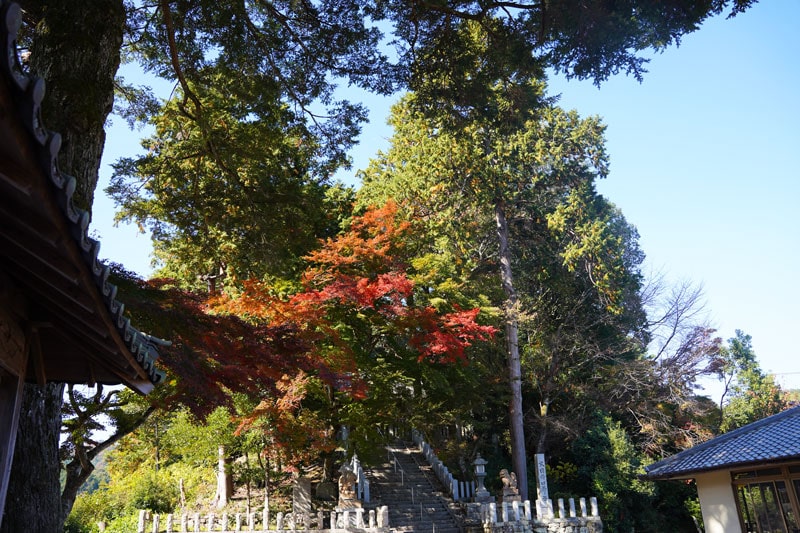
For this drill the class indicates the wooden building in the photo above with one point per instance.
(60, 320)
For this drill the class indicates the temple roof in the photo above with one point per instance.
(49, 268)
(772, 439)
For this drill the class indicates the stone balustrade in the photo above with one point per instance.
(520, 517)
(458, 490)
(347, 520)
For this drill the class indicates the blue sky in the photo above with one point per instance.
(705, 162)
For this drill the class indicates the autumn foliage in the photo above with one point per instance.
(355, 302)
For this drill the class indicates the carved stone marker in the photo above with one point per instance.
(301, 497)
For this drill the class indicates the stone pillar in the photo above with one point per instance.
(562, 513)
(541, 478)
(141, 523)
(572, 512)
(593, 503)
(583, 507)
(169, 523)
(155, 523)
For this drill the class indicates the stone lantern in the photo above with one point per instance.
(481, 494)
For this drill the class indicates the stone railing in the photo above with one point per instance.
(352, 519)
(458, 490)
(518, 516)
(362, 483)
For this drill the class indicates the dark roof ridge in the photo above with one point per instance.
(28, 93)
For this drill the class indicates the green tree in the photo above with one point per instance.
(238, 192)
(534, 166)
(751, 394)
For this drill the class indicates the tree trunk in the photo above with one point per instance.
(76, 49)
(34, 495)
(518, 460)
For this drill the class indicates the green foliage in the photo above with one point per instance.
(230, 192)
(609, 465)
(154, 491)
(89, 509)
(753, 394)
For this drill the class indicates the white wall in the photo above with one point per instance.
(717, 502)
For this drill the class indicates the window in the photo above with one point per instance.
(767, 500)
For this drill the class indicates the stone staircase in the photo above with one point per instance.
(417, 501)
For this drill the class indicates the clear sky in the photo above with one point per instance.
(705, 162)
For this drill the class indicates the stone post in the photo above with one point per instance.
(141, 524)
(583, 507)
(169, 523)
(562, 513)
(196, 522)
(593, 502)
(280, 521)
(184, 520)
(572, 512)
(155, 523)
(238, 522)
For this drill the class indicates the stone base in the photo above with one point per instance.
(348, 505)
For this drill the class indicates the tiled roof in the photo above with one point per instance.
(775, 438)
(45, 248)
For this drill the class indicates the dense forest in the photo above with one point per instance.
(475, 285)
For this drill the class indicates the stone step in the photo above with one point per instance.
(392, 483)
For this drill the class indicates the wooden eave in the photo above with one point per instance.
(77, 331)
